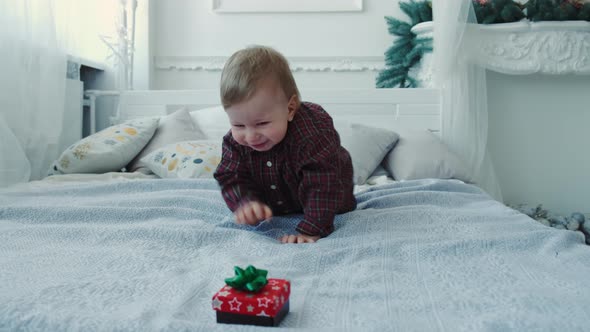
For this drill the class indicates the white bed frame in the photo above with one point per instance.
(385, 108)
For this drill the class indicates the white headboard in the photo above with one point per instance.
(400, 108)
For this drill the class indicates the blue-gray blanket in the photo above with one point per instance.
(429, 255)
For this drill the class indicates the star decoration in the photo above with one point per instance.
(272, 282)
(250, 308)
(262, 313)
(286, 287)
(223, 293)
(282, 299)
(217, 303)
(235, 304)
(263, 302)
(276, 288)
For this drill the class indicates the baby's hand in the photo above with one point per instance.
(299, 238)
(252, 213)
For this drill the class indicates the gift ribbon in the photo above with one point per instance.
(251, 279)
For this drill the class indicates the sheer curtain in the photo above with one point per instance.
(464, 91)
(32, 89)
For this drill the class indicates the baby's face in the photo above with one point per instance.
(261, 121)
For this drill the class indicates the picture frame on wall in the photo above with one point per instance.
(277, 6)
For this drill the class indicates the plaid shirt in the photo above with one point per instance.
(308, 171)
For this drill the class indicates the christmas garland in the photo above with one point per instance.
(408, 49)
(497, 11)
(505, 11)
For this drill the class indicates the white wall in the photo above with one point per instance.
(539, 139)
(332, 49)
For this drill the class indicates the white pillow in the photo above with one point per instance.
(367, 146)
(188, 159)
(109, 150)
(421, 155)
(213, 121)
(175, 127)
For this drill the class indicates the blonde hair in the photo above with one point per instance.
(244, 70)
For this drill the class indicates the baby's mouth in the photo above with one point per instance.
(258, 146)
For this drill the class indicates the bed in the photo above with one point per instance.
(128, 251)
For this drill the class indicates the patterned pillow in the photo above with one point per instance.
(188, 159)
(109, 150)
(175, 127)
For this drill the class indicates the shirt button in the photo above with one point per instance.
(273, 187)
(268, 163)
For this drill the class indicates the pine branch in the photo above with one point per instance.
(397, 27)
(407, 49)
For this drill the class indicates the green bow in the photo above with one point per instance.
(251, 279)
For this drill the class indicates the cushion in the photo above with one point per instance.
(367, 146)
(420, 155)
(109, 150)
(175, 127)
(213, 121)
(188, 159)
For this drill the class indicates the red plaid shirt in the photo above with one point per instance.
(308, 171)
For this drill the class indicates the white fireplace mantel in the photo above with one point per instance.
(526, 47)
(538, 47)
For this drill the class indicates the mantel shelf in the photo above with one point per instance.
(525, 47)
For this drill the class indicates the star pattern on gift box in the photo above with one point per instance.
(267, 302)
(263, 302)
(235, 304)
(262, 313)
(217, 303)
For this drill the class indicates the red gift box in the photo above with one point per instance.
(266, 307)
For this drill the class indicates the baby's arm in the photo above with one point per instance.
(237, 188)
(321, 188)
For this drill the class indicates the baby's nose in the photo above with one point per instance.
(251, 135)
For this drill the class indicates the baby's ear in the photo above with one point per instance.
(292, 106)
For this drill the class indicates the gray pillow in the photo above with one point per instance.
(422, 155)
(367, 146)
(174, 127)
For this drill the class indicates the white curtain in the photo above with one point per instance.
(32, 89)
(464, 91)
